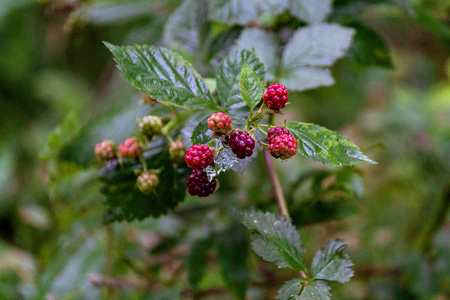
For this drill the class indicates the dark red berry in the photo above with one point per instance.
(105, 151)
(199, 157)
(199, 185)
(276, 96)
(130, 149)
(241, 143)
(283, 146)
(275, 132)
(219, 122)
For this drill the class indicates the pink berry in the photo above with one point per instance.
(219, 122)
(276, 97)
(130, 149)
(199, 156)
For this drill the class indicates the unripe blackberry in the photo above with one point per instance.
(219, 122)
(276, 96)
(130, 149)
(283, 146)
(147, 182)
(241, 143)
(150, 126)
(177, 152)
(275, 132)
(105, 151)
(199, 156)
(199, 185)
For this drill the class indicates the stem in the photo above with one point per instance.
(303, 283)
(109, 260)
(281, 202)
(260, 130)
(144, 163)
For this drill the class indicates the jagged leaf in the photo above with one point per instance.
(278, 240)
(125, 202)
(289, 290)
(228, 75)
(265, 45)
(315, 290)
(310, 51)
(201, 134)
(234, 269)
(232, 12)
(197, 260)
(332, 263)
(226, 160)
(187, 26)
(311, 12)
(250, 86)
(326, 146)
(164, 75)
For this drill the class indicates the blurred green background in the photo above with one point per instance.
(60, 94)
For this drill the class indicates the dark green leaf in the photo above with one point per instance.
(368, 48)
(199, 135)
(265, 44)
(250, 86)
(290, 290)
(315, 290)
(187, 27)
(228, 75)
(125, 202)
(331, 263)
(278, 240)
(164, 75)
(197, 261)
(311, 12)
(233, 12)
(310, 50)
(233, 264)
(326, 146)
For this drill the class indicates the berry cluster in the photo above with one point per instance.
(199, 157)
(276, 97)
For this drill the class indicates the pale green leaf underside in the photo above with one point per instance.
(265, 45)
(310, 52)
(164, 75)
(228, 75)
(315, 290)
(278, 240)
(226, 160)
(326, 146)
(250, 86)
(332, 263)
(232, 12)
(289, 290)
(312, 12)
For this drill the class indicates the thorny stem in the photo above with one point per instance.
(281, 202)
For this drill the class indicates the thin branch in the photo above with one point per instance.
(281, 202)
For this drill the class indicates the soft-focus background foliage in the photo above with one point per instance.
(57, 76)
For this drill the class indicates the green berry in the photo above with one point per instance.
(177, 152)
(147, 182)
(150, 126)
(105, 151)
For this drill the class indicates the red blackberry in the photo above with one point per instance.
(147, 182)
(105, 151)
(219, 122)
(241, 143)
(275, 132)
(199, 157)
(130, 149)
(199, 185)
(276, 96)
(283, 146)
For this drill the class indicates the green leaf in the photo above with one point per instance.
(233, 264)
(326, 146)
(315, 290)
(226, 160)
(250, 86)
(290, 290)
(197, 260)
(368, 48)
(199, 135)
(331, 263)
(311, 12)
(233, 12)
(278, 240)
(265, 45)
(187, 27)
(164, 75)
(310, 51)
(228, 75)
(125, 202)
